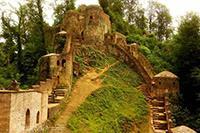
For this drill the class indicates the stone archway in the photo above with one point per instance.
(38, 117)
(27, 119)
(63, 63)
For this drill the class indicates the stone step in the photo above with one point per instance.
(157, 103)
(159, 116)
(53, 101)
(157, 109)
(57, 99)
(160, 121)
(160, 127)
(160, 124)
(60, 92)
(159, 131)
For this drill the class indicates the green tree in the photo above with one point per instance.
(130, 9)
(187, 62)
(35, 44)
(114, 8)
(24, 39)
(159, 20)
(135, 14)
(61, 8)
(14, 34)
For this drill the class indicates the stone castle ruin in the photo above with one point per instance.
(25, 110)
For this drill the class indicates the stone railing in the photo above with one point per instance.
(118, 41)
(168, 114)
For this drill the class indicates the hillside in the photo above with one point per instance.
(114, 106)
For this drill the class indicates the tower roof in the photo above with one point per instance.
(166, 74)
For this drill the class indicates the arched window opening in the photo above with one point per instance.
(63, 63)
(27, 119)
(82, 35)
(48, 115)
(174, 83)
(58, 63)
(38, 117)
(91, 17)
(159, 83)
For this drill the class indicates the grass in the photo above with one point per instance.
(116, 107)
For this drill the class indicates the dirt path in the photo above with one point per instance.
(82, 89)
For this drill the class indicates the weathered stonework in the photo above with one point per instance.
(5, 108)
(117, 45)
(14, 117)
(164, 83)
(87, 25)
(49, 66)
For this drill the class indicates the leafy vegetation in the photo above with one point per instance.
(186, 60)
(115, 107)
(25, 41)
(61, 8)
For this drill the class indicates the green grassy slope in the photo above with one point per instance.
(116, 107)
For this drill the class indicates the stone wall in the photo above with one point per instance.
(20, 104)
(164, 86)
(87, 25)
(16, 104)
(5, 102)
(57, 66)
(49, 66)
(116, 44)
(22, 111)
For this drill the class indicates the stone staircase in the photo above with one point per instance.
(57, 95)
(159, 119)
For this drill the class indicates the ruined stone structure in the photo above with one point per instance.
(22, 111)
(87, 25)
(116, 44)
(165, 83)
(49, 66)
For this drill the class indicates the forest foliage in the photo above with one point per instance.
(151, 27)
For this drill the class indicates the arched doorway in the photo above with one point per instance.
(27, 119)
(63, 63)
(38, 117)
